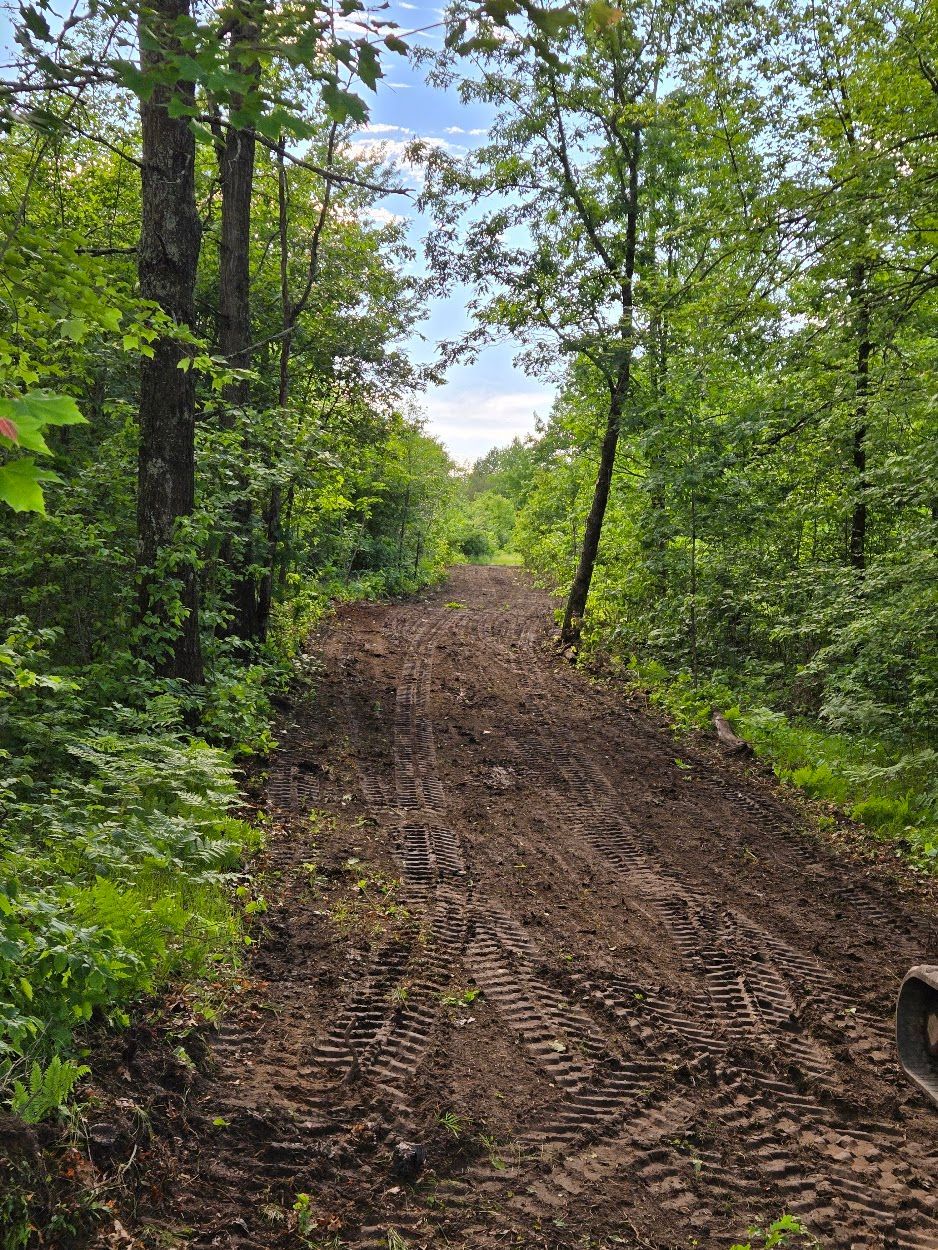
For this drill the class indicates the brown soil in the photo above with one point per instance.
(527, 980)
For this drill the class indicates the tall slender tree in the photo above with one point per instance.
(564, 165)
(168, 256)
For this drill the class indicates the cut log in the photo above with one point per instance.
(725, 733)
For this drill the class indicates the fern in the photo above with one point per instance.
(48, 1089)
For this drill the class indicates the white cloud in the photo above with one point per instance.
(458, 130)
(382, 216)
(471, 421)
(394, 151)
(400, 86)
(382, 128)
(348, 25)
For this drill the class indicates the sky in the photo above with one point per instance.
(488, 403)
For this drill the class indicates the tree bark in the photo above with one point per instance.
(619, 388)
(234, 314)
(864, 352)
(579, 590)
(168, 255)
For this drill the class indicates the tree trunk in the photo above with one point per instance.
(739, 746)
(579, 591)
(619, 388)
(290, 312)
(864, 352)
(167, 259)
(272, 517)
(653, 533)
(234, 314)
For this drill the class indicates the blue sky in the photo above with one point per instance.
(485, 404)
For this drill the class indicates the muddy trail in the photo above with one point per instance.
(528, 979)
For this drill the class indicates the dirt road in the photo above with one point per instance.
(530, 980)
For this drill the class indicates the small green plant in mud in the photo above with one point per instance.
(492, 1150)
(341, 916)
(303, 1220)
(255, 905)
(374, 900)
(395, 1240)
(785, 1231)
(318, 822)
(452, 1123)
(315, 878)
(454, 605)
(400, 994)
(460, 997)
(305, 1216)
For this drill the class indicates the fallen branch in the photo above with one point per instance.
(730, 740)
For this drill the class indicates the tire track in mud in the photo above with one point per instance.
(598, 1084)
(470, 930)
(857, 1182)
(384, 1040)
(497, 952)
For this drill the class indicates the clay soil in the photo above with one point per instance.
(533, 973)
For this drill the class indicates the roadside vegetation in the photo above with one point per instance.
(826, 709)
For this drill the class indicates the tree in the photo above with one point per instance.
(564, 171)
(770, 513)
(168, 257)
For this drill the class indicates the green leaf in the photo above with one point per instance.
(43, 408)
(369, 66)
(500, 10)
(343, 106)
(109, 317)
(74, 328)
(458, 33)
(36, 24)
(556, 22)
(134, 79)
(20, 485)
(30, 436)
(600, 14)
(179, 107)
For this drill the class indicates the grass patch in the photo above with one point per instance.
(506, 559)
(894, 793)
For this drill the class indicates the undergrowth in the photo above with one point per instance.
(117, 850)
(891, 790)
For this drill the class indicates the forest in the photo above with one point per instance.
(713, 227)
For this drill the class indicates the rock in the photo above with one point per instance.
(408, 1159)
